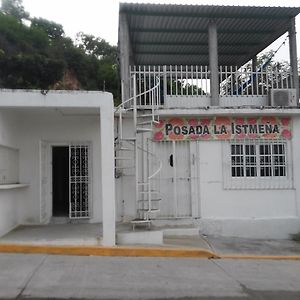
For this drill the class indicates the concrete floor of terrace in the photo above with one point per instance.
(83, 234)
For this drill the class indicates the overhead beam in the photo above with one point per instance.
(192, 44)
(185, 53)
(225, 15)
(179, 30)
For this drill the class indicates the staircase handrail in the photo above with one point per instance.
(153, 155)
(139, 95)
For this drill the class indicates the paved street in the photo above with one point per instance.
(35, 276)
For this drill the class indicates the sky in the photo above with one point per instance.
(100, 17)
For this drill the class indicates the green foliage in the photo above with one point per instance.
(53, 30)
(31, 71)
(39, 56)
(95, 46)
(14, 8)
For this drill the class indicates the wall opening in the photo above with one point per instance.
(60, 181)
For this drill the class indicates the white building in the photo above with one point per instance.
(198, 139)
(56, 158)
(203, 140)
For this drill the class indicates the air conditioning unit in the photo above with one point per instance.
(283, 97)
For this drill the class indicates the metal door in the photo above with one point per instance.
(80, 182)
(174, 180)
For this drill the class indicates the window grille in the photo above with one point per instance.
(257, 164)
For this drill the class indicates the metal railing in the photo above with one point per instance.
(194, 81)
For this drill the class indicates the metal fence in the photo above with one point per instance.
(194, 81)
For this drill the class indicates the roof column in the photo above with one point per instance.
(124, 55)
(213, 63)
(253, 70)
(293, 55)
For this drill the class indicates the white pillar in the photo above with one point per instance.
(293, 55)
(107, 173)
(213, 63)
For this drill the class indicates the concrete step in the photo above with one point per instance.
(193, 231)
(140, 237)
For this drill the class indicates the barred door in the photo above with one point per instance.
(79, 182)
(174, 180)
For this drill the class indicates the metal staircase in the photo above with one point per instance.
(130, 152)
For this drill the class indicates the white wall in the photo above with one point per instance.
(9, 199)
(242, 203)
(262, 213)
(51, 126)
(59, 116)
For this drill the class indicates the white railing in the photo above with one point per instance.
(153, 100)
(247, 82)
(195, 81)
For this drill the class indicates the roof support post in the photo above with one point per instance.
(293, 55)
(253, 70)
(124, 55)
(213, 63)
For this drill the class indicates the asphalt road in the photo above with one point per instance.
(35, 276)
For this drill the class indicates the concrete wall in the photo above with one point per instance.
(58, 117)
(9, 198)
(53, 127)
(261, 213)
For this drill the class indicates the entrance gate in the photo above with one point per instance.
(178, 180)
(78, 184)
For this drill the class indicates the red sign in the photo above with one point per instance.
(222, 128)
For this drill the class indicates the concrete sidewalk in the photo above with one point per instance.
(85, 239)
(35, 276)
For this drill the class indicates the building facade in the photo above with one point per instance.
(205, 135)
(56, 158)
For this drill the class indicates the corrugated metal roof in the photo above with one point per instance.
(177, 34)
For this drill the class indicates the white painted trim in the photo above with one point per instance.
(35, 98)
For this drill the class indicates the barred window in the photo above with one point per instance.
(257, 164)
(267, 159)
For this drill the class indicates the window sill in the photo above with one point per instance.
(13, 186)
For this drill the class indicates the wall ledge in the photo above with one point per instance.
(13, 186)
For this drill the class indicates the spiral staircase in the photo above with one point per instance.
(130, 153)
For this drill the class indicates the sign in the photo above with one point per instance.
(222, 128)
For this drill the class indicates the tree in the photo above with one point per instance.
(40, 56)
(14, 8)
(53, 30)
(95, 46)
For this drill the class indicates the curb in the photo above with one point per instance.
(127, 251)
(108, 251)
(261, 257)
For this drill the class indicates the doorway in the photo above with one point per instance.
(60, 181)
(178, 179)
